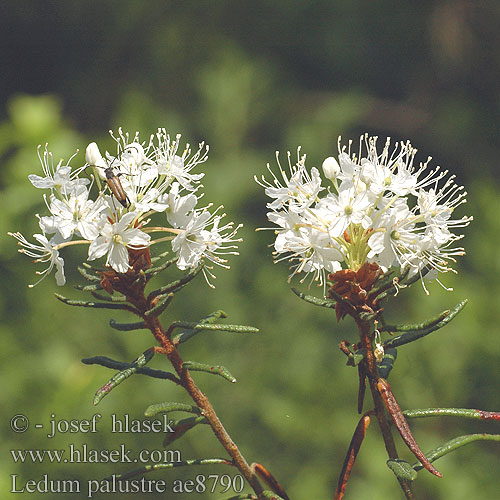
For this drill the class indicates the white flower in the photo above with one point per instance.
(141, 178)
(114, 240)
(202, 237)
(314, 251)
(368, 216)
(147, 171)
(307, 243)
(299, 189)
(59, 178)
(189, 244)
(375, 177)
(173, 166)
(45, 252)
(219, 240)
(148, 201)
(349, 168)
(179, 207)
(393, 239)
(153, 175)
(133, 157)
(347, 208)
(76, 213)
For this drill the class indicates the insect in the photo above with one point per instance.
(116, 187)
(94, 158)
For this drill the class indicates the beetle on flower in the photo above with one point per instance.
(141, 180)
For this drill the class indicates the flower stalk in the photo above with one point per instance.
(207, 410)
(149, 306)
(112, 213)
(382, 224)
(369, 367)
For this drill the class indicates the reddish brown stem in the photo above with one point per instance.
(133, 289)
(362, 388)
(203, 403)
(370, 368)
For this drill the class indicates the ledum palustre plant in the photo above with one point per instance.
(123, 206)
(380, 224)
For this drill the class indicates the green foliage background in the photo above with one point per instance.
(251, 78)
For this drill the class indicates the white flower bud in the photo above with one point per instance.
(94, 158)
(331, 168)
(360, 187)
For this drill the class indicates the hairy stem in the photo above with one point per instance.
(370, 366)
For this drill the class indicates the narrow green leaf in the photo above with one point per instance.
(452, 412)
(156, 258)
(175, 286)
(163, 303)
(123, 375)
(88, 276)
(383, 283)
(187, 334)
(454, 444)
(416, 277)
(219, 327)
(88, 288)
(152, 467)
(339, 298)
(86, 265)
(180, 428)
(96, 305)
(355, 357)
(271, 495)
(400, 281)
(315, 300)
(194, 328)
(367, 316)
(385, 366)
(412, 335)
(214, 370)
(120, 365)
(153, 410)
(127, 327)
(417, 326)
(402, 469)
(109, 298)
(153, 271)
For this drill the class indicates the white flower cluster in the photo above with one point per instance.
(141, 180)
(378, 208)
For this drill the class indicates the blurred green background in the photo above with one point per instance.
(251, 78)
